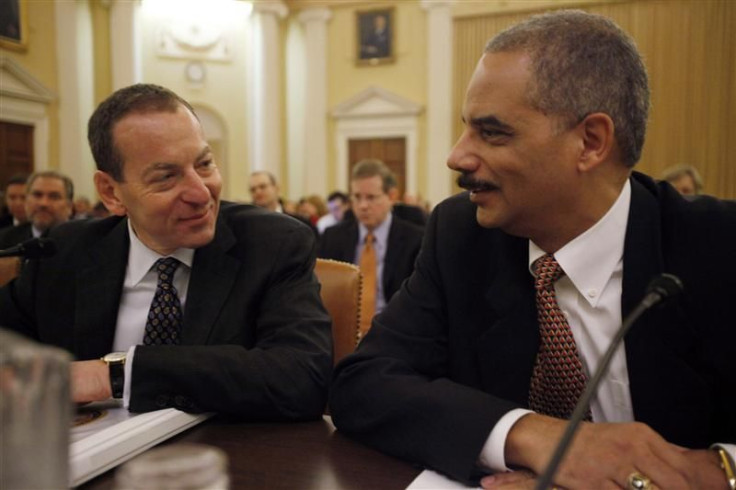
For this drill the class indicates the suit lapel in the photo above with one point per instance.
(507, 350)
(99, 284)
(210, 284)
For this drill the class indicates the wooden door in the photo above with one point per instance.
(391, 151)
(16, 151)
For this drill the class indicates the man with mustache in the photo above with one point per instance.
(48, 203)
(522, 282)
(178, 300)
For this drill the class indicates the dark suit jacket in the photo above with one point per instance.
(256, 340)
(6, 220)
(404, 240)
(15, 234)
(455, 348)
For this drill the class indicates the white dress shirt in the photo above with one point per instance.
(139, 287)
(589, 294)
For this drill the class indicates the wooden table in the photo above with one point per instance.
(307, 455)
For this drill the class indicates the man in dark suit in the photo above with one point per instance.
(264, 189)
(48, 203)
(449, 374)
(397, 242)
(15, 202)
(235, 323)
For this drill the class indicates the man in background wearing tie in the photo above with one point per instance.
(383, 245)
(522, 282)
(177, 300)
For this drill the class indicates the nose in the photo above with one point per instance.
(195, 189)
(462, 157)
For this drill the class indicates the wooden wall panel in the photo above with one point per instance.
(689, 47)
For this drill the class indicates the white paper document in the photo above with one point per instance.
(431, 480)
(105, 434)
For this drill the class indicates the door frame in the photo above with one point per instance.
(376, 113)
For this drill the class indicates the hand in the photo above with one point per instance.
(90, 381)
(604, 455)
(512, 479)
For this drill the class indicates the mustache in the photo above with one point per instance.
(467, 182)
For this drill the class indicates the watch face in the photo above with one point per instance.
(115, 357)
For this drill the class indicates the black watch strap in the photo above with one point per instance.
(117, 378)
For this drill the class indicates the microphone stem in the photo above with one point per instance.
(582, 406)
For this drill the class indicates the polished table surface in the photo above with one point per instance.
(304, 455)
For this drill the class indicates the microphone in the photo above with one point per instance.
(660, 289)
(35, 248)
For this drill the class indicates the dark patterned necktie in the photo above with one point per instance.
(558, 379)
(163, 324)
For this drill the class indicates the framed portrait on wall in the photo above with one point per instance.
(376, 36)
(13, 30)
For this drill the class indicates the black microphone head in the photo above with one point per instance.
(666, 286)
(37, 248)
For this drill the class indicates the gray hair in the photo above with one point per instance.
(581, 64)
(53, 174)
(673, 173)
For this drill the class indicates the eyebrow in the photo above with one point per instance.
(490, 121)
(159, 166)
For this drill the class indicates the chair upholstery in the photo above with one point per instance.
(341, 291)
(9, 269)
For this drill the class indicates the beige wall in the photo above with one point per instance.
(39, 59)
(406, 76)
(224, 92)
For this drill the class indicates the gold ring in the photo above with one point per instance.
(637, 481)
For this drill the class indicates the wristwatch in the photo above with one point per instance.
(116, 362)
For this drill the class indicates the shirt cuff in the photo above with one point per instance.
(128, 376)
(492, 454)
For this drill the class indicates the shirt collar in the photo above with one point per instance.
(380, 233)
(590, 259)
(141, 258)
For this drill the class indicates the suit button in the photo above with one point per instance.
(180, 401)
(162, 401)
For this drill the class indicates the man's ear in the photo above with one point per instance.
(598, 135)
(108, 189)
(393, 194)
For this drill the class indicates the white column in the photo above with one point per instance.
(266, 115)
(439, 97)
(125, 49)
(315, 102)
(76, 93)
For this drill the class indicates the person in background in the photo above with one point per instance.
(48, 203)
(685, 178)
(178, 299)
(312, 208)
(337, 204)
(522, 282)
(15, 199)
(393, 242)
(264, 191)
(82, 208)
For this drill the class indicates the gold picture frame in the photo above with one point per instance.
(375, 36)
(13, 24)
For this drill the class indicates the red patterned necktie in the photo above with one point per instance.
(558, 379)
(163, 324)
